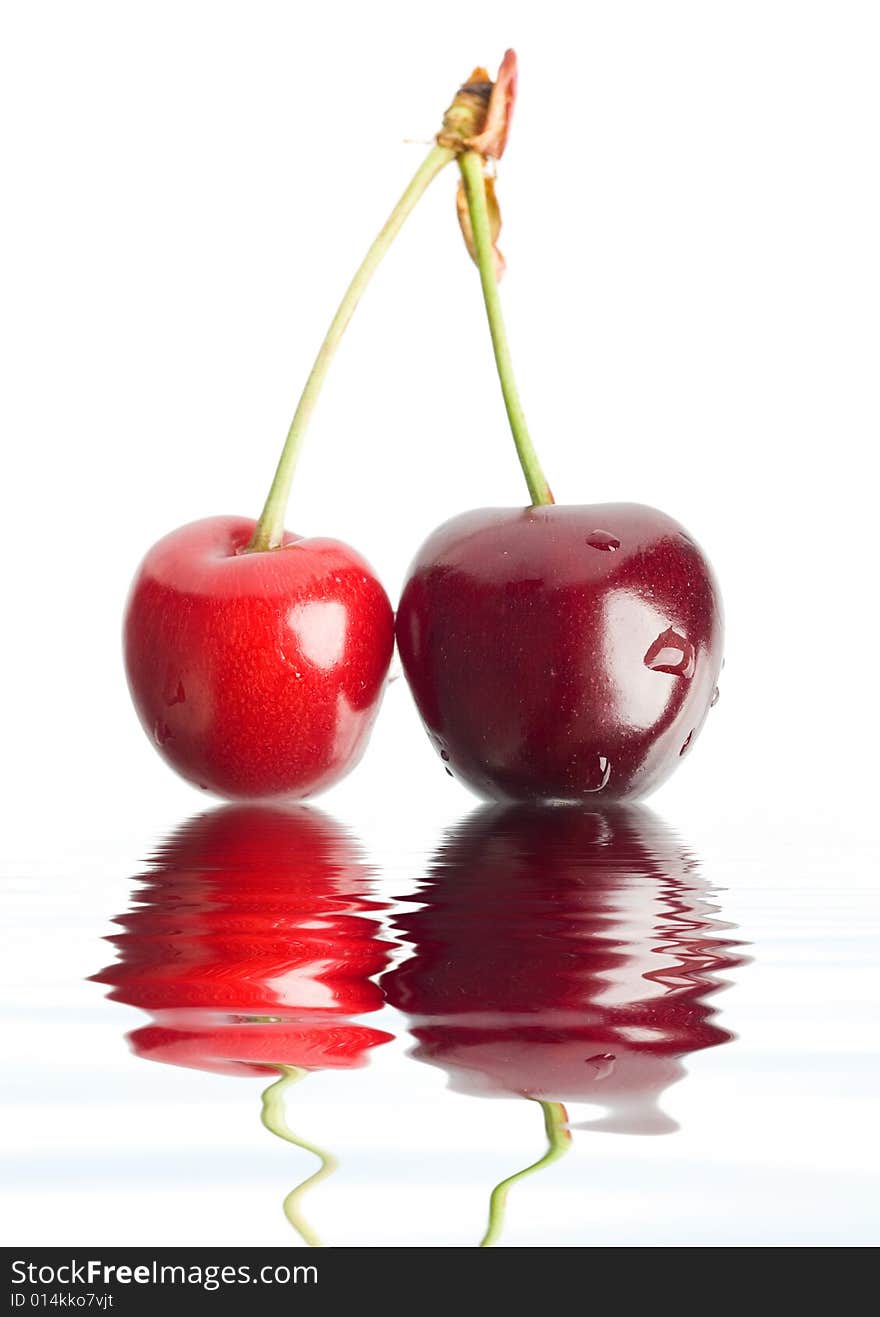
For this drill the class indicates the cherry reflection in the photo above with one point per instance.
(564, 956)
(250, 944)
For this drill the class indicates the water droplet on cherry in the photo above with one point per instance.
(687, 742)
(716, 696)
(161, 733)
(444, 755)
(602, 1063)
(671, 653)
(449, 771)
(603, 765)
(603, 539)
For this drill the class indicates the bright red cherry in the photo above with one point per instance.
(256, 674)
(560, 652)
(251, 947)
(256, 658)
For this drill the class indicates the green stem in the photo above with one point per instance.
(558, 1143)
(471, 165)
(273, 1118)
(270, 528)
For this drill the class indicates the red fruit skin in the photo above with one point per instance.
(250, 946)
(256, 674)
(565, 956)
(549, 668)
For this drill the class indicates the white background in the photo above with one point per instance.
(692, 212)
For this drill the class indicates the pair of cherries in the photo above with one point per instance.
(557, 955)
(555, 653)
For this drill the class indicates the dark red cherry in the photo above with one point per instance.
(564, 956)
(561, 653)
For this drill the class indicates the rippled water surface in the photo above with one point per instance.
(536, 1027)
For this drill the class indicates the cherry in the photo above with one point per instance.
(256, 674)
(556, 653)
(559, 652)
(256, 658)
(561, 955)
(251, 946)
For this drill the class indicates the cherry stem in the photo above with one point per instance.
(471, 165)
(558, 1144)
(269, 530)
(274, 1119)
